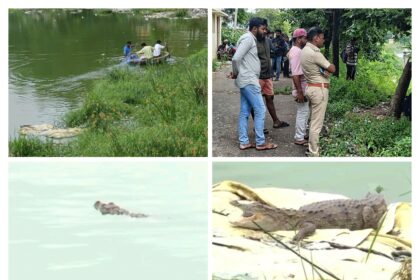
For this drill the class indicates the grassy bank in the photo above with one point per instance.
(365, 134)
(154, 111)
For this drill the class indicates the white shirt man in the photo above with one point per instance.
(157, 49)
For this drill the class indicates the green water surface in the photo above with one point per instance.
(353, 179)
(55, 232)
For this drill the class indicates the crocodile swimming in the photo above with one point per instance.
(354, 214)
(113, 209)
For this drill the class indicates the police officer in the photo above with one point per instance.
(316, 69)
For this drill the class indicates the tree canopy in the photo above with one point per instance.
(370, 27)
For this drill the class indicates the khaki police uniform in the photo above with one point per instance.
(312, 61)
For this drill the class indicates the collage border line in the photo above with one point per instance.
(5, 160)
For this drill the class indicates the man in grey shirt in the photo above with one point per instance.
(246, 68)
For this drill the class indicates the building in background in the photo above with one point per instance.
(217, 19)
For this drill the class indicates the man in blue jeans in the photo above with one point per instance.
(246, 71)
(279, 50)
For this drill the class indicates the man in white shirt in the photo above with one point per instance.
(299, 85)
(157, 48)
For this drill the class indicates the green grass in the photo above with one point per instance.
(351, 134)
(287, 90)
(181, 13)
(24, 147)
(366, 135)
(158, 111)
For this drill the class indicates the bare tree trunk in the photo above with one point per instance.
(401, 90)
(328, 33)
(235, 19)
(336, 40)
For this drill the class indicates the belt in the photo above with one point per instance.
(321, 85)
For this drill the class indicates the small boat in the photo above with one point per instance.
(155, 60)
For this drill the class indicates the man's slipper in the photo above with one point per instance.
(301, 142)
(280, 124)
(246, 146)
(266, 146)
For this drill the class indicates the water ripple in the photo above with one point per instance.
(78, 264)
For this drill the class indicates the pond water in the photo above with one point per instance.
(55, 54)
(353, 179)
(55, 233)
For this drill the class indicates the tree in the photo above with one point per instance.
(277, 19)
(307, 18)
(401, 91)
(336, 39)
(242, 16)
(370, 27)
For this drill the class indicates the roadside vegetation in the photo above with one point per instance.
(355, 126)
(158, 110)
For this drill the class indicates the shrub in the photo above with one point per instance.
(367, 135)
(23, 147)
(181, 13)
(232, 35)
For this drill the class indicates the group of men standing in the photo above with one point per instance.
(252, 71)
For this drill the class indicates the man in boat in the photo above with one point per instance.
(127, 49)
(128, 56)
(158, 48)
(146, 52)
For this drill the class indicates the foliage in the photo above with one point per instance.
(23, 147)
(242, 16)
(152, 11)
(307, 18)
(351, 134)
(375, 82)
(277, 19)
(370, 27)
(181, 13)
(287, 90)
(232, 35)
(402, 147)
(345, 95)
(369, 137)
(218, 64)
(157, 111)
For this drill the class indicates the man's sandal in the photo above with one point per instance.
(266, 146)
(301, 142)
(246, 146)
(280, 124)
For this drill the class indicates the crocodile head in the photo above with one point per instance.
(256, 216)
(97, 204)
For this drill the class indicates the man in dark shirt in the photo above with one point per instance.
(279, 49)
(351, 51)
(266, 83)
(222, 50)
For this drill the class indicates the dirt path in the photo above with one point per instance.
(226, 103)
